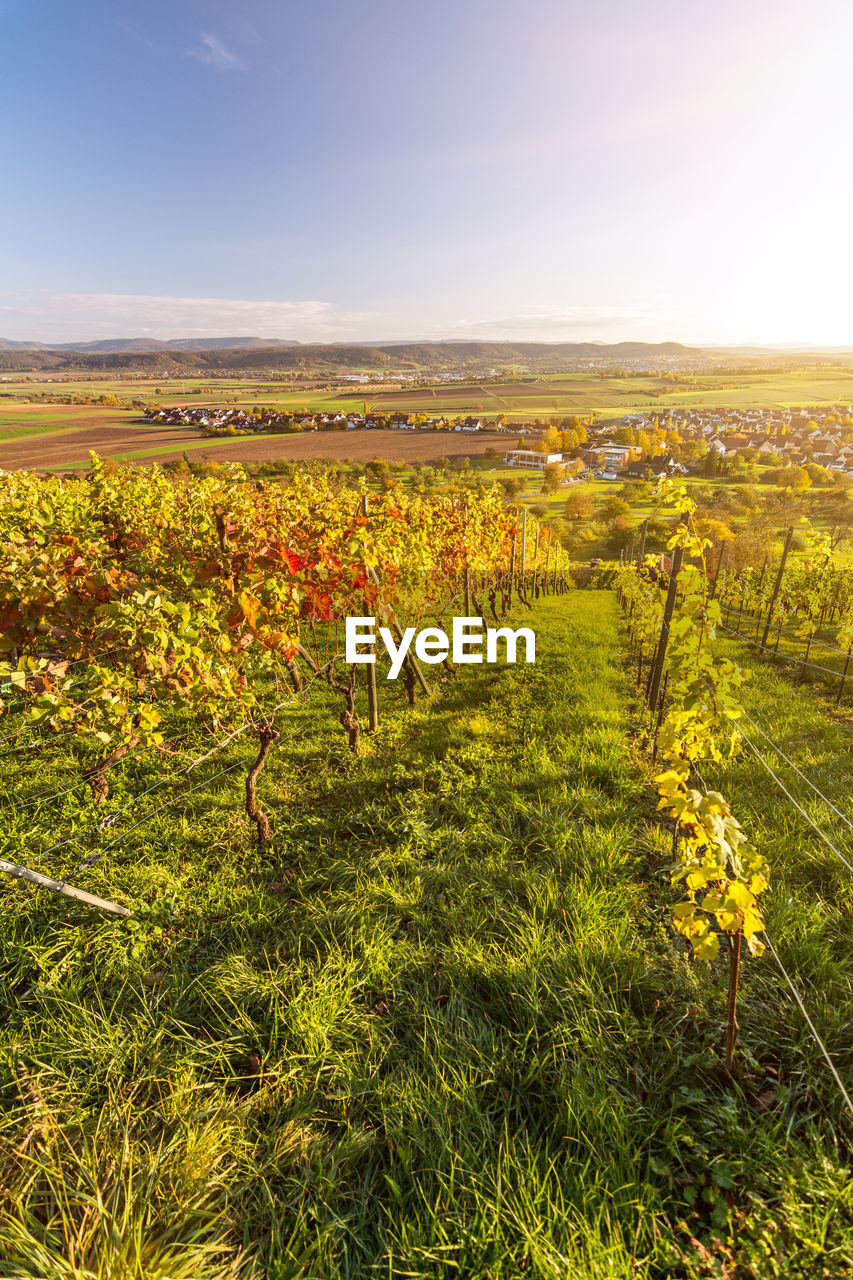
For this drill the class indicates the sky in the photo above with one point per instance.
(345, 170)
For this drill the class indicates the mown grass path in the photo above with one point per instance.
(441, 1031)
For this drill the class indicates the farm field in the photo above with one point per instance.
(22, 420)
(608, 396)
(438, 1028)
(148, 444)
(48, 448)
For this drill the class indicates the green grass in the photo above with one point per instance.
(31, 430)
(58, 415)
(441, 1030)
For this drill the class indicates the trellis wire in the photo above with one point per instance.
(811, 1024)
(797, 995)
(92, 859)
(799, 771)
(783, 657)
(110, 819)
(82, 782)
(786, 631)
(818, 830)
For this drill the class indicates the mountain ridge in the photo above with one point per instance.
(138, 345)
(448, 356)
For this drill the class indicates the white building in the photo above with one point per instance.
(530, 458)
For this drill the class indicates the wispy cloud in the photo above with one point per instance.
(139, 37)
(573, 324)
(211, 51)
(72, 317)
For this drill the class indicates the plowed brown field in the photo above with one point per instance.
(360, 446)
(53, 453)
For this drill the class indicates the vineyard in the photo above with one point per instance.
(536, 969)
(137, 613)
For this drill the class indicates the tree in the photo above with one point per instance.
(619, 533)
(816, 473)
(794, 477)
(636, 491)
(579, 504)
(552, 478)
(692, 450)
(716, 530)
(613, 507)
(551, 441)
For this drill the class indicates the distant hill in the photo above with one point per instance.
(135, 345)
(265, 353)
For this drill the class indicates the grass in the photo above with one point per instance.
(30, 430)
(800, 717)
(442, 1030)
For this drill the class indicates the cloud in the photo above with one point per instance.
(211, 51)
(138, 36)
(572, 324)
(72, 317)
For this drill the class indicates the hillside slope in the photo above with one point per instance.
(258, 354)
(443, 1031)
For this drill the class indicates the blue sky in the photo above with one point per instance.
(331, 170)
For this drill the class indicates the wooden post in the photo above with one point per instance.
(372, 692)
(556, 560)
(657, 671)
(661, 705)
(466, 572)
(843, 678)
(643, 530)
(512, 563)
(524, 551)
(60, 886)
(306, 657)
(713, 590)
(395, 622)
(731, 1021)
(776, 587)
(536, 564)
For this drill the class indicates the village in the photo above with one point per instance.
(671, 441)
